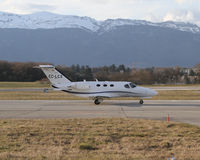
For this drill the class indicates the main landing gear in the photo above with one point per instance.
(46, 90)
(141, 101)
(97, 101)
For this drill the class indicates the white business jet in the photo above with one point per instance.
(97, 90)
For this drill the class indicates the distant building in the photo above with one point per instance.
(196, 68)
(186, 70)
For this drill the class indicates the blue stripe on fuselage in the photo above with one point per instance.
(99, 92)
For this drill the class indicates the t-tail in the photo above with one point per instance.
(56, 78)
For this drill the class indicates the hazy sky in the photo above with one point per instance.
(153, 10)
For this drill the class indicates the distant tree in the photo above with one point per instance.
(18, 71)
(197, 66)
(5, 71)
(191, 73)
(121, 68)
(187, 80)
(112, 68)
(88, 75)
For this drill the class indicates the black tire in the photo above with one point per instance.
(45, 90)
(141, 101)
(96, 101)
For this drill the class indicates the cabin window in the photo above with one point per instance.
(126, 86)
(98, 85)
(132, 85)
(105, 85)
(112, 85)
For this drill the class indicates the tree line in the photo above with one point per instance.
(24, 72)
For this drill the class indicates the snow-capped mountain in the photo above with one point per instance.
(61, 39)
(46, 20)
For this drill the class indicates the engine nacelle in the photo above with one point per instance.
(79, 86)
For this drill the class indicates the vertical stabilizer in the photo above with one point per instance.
(55, 77)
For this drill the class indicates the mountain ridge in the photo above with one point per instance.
(48, 20)
(72, 40)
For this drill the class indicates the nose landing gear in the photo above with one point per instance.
(97, 101)
(141, 101)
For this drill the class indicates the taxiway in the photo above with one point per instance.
(181, 111)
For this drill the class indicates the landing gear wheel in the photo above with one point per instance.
(97, 102)
(45, 90)
(141, 101)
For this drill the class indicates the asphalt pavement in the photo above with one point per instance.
(187, 111)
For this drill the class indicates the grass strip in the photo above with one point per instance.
(98, 139)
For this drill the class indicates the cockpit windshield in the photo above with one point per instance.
(132, 85)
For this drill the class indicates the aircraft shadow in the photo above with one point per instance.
(125, 104)
(153, 105)
(173, 104)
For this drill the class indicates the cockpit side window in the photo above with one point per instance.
(132, 85)
(126, 86)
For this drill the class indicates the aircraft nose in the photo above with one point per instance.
(152, 92)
